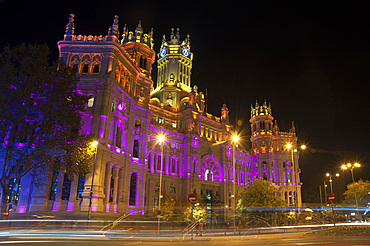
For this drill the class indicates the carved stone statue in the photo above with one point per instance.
(169, 99)
(224, 113)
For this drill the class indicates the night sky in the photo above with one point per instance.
(310, 59)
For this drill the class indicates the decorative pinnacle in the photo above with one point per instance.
(70, 25)
(137, 36)
(261, 110)
(113, 30)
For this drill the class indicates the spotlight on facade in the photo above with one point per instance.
(94, 144)
(288, 146)
(235, 138)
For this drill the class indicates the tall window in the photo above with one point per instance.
(85, 68)
(80, 186)
(208, 176)
(156, 195)
(66, 189)
(13, 192)
(264, 165)
(132, 197)
(90, 101)
(135, 151)
(111, 190)
(96, 68)
(53, 188)
(159, 161)
(118, 136)
(264, 176)
(173, 165)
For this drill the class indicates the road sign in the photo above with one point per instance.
(159, 212)
(331, 198)
(192, 198)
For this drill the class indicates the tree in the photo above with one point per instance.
(362, 189)
(168, 205)
(257, 202)
(41, 118)
(261, 194)
(196, 213)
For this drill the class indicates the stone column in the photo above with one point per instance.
(40, 196)
(121, 203)
(72, 202)
(58, 201)
(108, 178)
(115, 191)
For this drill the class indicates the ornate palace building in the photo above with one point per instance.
(127, 112)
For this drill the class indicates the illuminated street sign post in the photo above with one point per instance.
(331, 199)
(192, 198)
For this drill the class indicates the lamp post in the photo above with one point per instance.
(234, 142)
(332, 192)
(326, 198)
(331, 181)
(295, 166)
(351, 166)
(161, 140)
(94, 144)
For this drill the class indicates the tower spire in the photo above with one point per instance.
(178, 34)
(124, 34)
(113, 30)
(172, 35)
(70, 28)
(138, 32)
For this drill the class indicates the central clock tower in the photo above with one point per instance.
(174, 71)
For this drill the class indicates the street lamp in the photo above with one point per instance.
(295, 166)
(161, 140)
(331, 181)
(94, 145)
(351, 166)
(331, 189)
(235, 141)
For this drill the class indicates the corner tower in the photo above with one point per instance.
(174, 71)
(261, 128)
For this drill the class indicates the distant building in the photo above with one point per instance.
(126, 114)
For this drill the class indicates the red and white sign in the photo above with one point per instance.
(192, 198)
(331, 198)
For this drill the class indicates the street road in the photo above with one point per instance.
(282, 239)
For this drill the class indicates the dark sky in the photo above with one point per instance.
(310, 59)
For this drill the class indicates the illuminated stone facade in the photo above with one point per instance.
(126, 114)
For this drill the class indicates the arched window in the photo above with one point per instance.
(96, 68)
(133, 182)
(85, 68)
(142, 62)
(262, 125)
(208, 176)
(90, 102)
